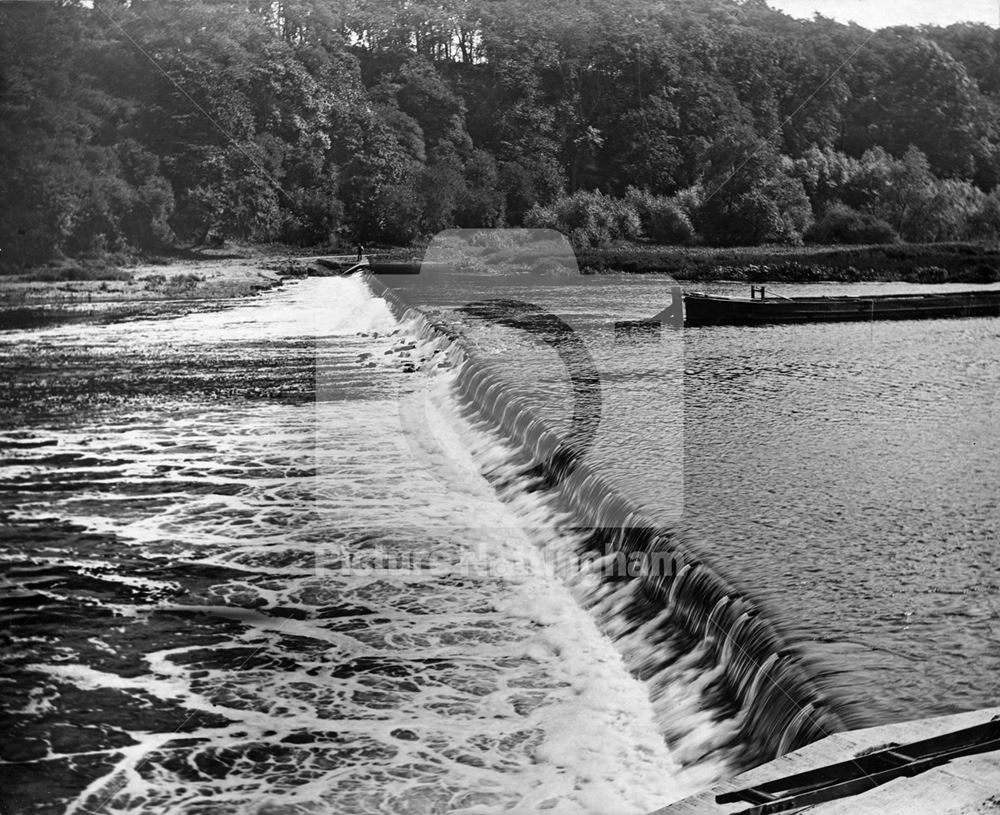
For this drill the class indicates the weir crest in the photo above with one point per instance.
(724, 678)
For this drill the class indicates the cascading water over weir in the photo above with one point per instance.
(674, 617)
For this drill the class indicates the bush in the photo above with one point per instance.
(663, 221)
(589, 218)
(824, 174)
(623, 219)
(539, 217)
(401, 208)
(775, 212)
(904, 193)
(841, 224)
(481, 203)
(984, 225)
(313, 218)
(183, 282)
(525, 183)
(929, 274)
(690, 200)
(952, 206)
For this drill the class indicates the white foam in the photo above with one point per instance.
(602, 751)
(513, 698)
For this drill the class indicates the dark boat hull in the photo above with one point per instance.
(700, 309)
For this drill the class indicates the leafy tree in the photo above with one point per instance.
(427, 97)
(377, 185)
(841, 224)
(644, 149)
(905, 193)
(441, 186)
(399, 209)
(590, 219)
(977, 47)
(750, 196)
(311, 121)
(917, 95)
(825, 174)
(984, 224)
(662, 219)
(527, 183)
(72, 183)
(481, 202)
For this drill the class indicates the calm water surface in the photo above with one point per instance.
(851, 473)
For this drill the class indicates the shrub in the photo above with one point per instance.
(313, 218)
(777, 211)
(589, 218)
(663, 221)
(527, 182)
(984, 225)
(624, 222)
(690, 200)
(481, 203)
(841, 224)
(952, 206)
(184, 282)
(904, 193)
(824, 172)
(929, 274)
(400, 208)
(539, 217)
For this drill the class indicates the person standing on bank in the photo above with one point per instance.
(361, 251)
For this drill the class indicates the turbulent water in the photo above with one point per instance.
(234, 583)
(305, 554)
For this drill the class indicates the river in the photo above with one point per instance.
(265, 558)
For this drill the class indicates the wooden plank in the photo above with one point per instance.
(842, 746)
(886, 764)
(938, 791)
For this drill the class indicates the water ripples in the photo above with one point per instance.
(232, 585)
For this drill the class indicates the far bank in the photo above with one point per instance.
(910, 263)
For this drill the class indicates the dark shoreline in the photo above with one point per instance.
(909, 263)
(36, 299)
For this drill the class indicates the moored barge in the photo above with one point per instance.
(705, 309)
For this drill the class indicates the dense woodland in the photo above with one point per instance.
(133, 127)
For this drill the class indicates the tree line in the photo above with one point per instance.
(129, 127)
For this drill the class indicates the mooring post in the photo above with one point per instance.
(761, 292)
(753, 292)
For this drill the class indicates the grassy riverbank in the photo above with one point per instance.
(100, 292)
(912, 263)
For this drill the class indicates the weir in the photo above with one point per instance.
(674, 617)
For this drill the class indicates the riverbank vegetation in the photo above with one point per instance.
(130, 128)
(913, 263)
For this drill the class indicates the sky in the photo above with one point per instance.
(881, 13)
